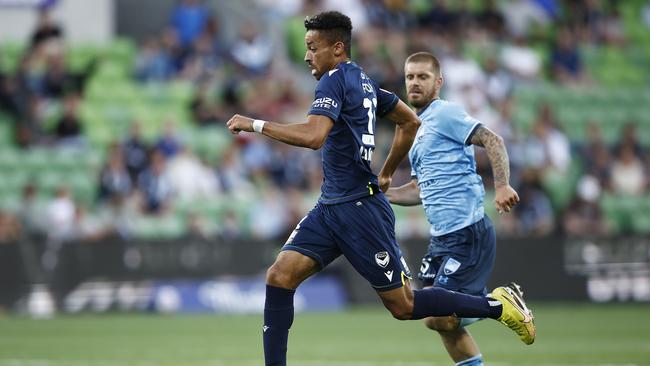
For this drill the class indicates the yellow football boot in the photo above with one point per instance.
(515, 315)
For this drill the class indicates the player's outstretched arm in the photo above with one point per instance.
(407, 126)
(311, 134)
(505, 196)
(405, 195)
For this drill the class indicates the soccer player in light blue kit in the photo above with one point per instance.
(462, 249)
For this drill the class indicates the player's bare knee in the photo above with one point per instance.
(401, 310)
(401, 313)
(276, 276)
(442, 324)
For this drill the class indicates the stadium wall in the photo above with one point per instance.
(83, 21)
(550, 269)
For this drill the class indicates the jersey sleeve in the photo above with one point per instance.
(386, 101)
(456, 124)
(329, 96)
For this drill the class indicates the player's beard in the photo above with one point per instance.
(425, 99)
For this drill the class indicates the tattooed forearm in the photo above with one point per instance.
(497, 153)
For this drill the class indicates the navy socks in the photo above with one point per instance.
(436, 301)
(278, 317)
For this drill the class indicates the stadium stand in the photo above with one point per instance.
(182, 94)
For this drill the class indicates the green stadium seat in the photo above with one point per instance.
(6, 134)
(79, 57)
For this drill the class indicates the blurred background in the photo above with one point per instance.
(121, 189)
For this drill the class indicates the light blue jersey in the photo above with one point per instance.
(442, 160)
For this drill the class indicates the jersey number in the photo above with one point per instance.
(368, 139)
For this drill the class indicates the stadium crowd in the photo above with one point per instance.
(487, 52)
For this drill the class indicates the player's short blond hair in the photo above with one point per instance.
(425, 57)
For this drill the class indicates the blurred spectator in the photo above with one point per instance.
(57, 81)
(252, 51)
(190, 179)
(46, 30)
(9, 227)
(439, 19)
(566, 64)
(613, 30)
(628, 175)
(520, 59)
(30, 211)
(60, 216)
(153, 63)
(491, 19)
(596, 156)
(69, 127)
(205, 110)
(583, 216)
(168, 144)
(114, 180)
(135, 152)
(585, 18)
(87, 227)
(10, 99)
(499, 82)
(231, 227)
(464, 79)
(155, 185)
(198, 225)
(270, 215)
(189, 18)
(353, 9)
(548, 147)
(233, 174)
(629, 137)
(534, 212)
(521, 15)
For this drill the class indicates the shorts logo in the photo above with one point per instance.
(389, 275)
(424, 268)
(451, 266)
(382, 259)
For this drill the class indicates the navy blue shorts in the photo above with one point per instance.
(363, 231)
(462, 260)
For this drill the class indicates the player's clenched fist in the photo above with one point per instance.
(505, 198)
(384, 182)
(238, 123)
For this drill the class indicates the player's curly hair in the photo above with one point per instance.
(334, 26)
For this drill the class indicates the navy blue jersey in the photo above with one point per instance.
(353, 101)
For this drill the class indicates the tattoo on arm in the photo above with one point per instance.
(497, 153)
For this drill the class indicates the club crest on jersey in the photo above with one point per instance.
(451, 266)
(382, 259)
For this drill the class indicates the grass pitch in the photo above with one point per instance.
(567, 334)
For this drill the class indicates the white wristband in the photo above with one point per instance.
(258, 125)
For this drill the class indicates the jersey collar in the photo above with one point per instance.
(427, 106)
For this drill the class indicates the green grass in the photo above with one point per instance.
(587, 335)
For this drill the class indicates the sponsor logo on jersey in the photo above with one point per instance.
(451, 266)
(382, 259)
(325, 102)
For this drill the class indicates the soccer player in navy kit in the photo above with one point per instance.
(352, 216)
(463, 243)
